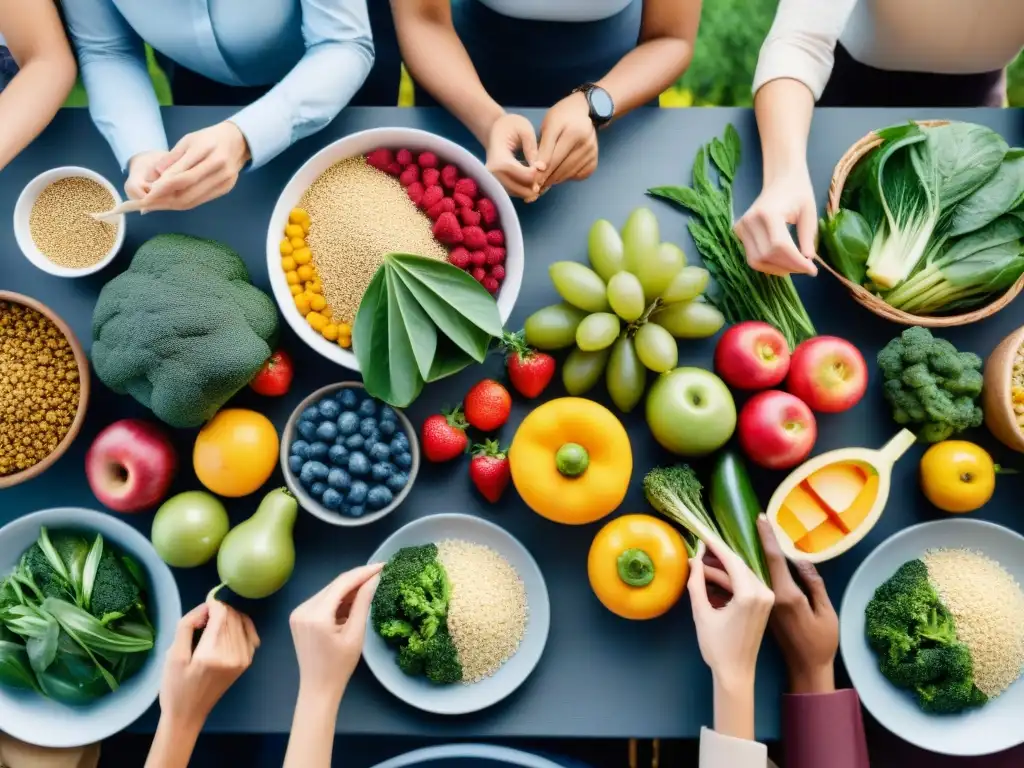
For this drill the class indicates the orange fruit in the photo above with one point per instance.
(236, 452)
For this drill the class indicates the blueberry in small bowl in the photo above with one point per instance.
(349, 458)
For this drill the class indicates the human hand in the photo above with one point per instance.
(329, 629)
(195, 680)
(568, 142)
(509, 134)
(201, 167)
(142, 172)
(788, 199)
(805, 625)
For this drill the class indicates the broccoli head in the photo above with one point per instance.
(442, 660)
(403, 567)
(114, 591)
(38, 570)
(396, 630)
(183, 329)
(948, 697)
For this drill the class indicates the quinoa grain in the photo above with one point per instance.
(62, 228)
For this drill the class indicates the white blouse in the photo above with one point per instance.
(940, 36)
(557, 10)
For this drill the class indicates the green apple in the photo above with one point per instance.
(690, 411)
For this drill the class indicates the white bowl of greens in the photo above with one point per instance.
(59, 663)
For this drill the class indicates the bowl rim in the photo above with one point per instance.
(454, 153)
(1001, 387)
(310, 504)
(28, 248)
(9, 481)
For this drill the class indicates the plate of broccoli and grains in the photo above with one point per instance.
(932, 635)
(460, 617)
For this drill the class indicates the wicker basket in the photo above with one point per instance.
(865, 297)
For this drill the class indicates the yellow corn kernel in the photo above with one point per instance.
(302, 304)
(318, 302)
(297, 242)
(297, 216)
(286, 247)
(294, 230)
(345, 341)
(305, 272)
(316, 286)
(292, 277)
(302, 256)
(344, 329)
(288, 264)
(330, 332)
(305, 226)
(295, 289)
(316, 321)
(327, 312)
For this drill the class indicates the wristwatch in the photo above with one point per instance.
(602, 108)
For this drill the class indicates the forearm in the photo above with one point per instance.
(646, 71)
(312, 736)
(438, 61)
(173, 743)
(31, 100)
(783, 109)
(734, 707)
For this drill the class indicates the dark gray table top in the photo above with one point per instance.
(600, 676)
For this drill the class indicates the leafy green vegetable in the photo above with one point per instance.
(15, 668)
(743, 293)
(847, 237)
(420, 320)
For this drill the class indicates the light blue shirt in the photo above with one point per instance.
(318, 52)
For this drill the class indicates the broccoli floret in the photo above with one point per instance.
(36, 568)
(412, 655)
(939, 628)
(948, 697)
(404, 566)
(917, 376)
(442, 660)
(396, 630)
(968, 383)
(114, 591)
(890, 361)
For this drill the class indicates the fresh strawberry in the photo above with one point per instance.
(394, 169)
(410, 175)
(477, 258)
(495, 255)
(529, 371)
(447, 229)
(449, 176)
(444, 205)
(431, 176)
(467, 186)
(275, 377)
(474, 238)
(468, 216)
(461, 201)
(444, 435)
(498, 272)
(403, 156)
(459, 257)
(479, 274)
(431, 197)
(496, 237)
(427, 160)
(489, 470)
(490, 284)
(415, 193)
(488, 210)
(380, 158)
(487, 405)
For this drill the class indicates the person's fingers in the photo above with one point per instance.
(170, 158)
(816, 591)
(187, 627)
(574, 163)
(176, 183)
(513, 183)
(778, 567)
(806, 229)
(348, 582)
(731, 562)
(562, 150)
(528, 143)
(250, 632)
(718, 577)
(698, 589)
(550, 132)
(783, 252)
(187, 154)
(360, 610)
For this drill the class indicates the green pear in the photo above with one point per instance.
(257, 556)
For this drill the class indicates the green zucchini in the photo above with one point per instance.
(735, 508)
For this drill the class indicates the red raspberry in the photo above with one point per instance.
(427, 160)
(380, 158)
(488, 210)
(477, 258)
(415, 192)
(479, 274)
(409, 175)
(431, 177)
(462, 201)
(447, 229)
(431, 197)
(495, 255)
(403, 156)
(468, 216)
(449, 176)
(445, 205)
(474, 237)
(459, 257)
(394, 169)
(498, 272)
(467, 187)
(491, 285)
(496, 237)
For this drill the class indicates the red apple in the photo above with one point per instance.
(752, 355)
(828, 373)
(130, 465)
(777, 430)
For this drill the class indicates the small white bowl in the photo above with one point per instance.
(23, 209)
(359, 144)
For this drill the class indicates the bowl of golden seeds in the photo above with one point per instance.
(54, 228)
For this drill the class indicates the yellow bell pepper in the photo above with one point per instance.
(638, 566)
(571, 461)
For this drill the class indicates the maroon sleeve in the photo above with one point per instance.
(824, 729)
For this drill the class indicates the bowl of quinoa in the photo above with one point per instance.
(44, 388)
(498, 614)
(343, 211)
(53, 227)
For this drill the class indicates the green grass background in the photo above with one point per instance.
(731, 32)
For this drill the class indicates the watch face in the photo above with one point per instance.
(601, 104)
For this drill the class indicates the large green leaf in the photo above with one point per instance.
(464, 295)
(448, 360)
(370, 338)
(406, 382)
(418, 325)
(992, 199)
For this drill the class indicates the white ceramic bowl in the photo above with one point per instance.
(23, 208)
(991, 728)
(458, 699)
(360, 144)
(32, 718)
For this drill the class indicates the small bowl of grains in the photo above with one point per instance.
(1003, 393)
(54, 229)
(376, 192)
(44, 388)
